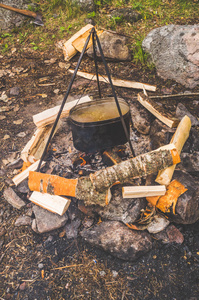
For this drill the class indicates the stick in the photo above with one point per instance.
(23, 175)
(116, 82)
(157, 111)
(179, 138)
(143, 191)
(48, 116)
(55, 204)
(94, 189)
(175, 95)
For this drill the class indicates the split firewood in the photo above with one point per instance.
(143, 191)
(93, 189)
(35, 147)
(53, 203)
(68, 48)
(24, 174)
(116, 82)
(168, 202)
(48, 116)
(79, 43)
(158, 111)
(179, 138)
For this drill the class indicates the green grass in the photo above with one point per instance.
(62, 19)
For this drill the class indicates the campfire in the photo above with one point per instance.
(131, 194)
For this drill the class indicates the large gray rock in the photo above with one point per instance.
(119, 240)
(187, 207)
(175, 52)
(9, 19)
(114, 47)
(46, 220)
(119, 209)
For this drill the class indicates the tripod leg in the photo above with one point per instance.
(64, 100)
(114, 94)
(95, 60)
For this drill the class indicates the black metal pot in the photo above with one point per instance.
(99, 135)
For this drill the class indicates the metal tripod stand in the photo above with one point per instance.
(95, 40)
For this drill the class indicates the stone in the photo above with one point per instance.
(40, 266)
(4, 97)
(114, 47)
(12, 198)
(158, 224)
(72, 229)
(170, 235)
(23, 221)
(174, 234)
(10, 19)
(174, 50)
(189, 162)
(14, 91)
(47, 221)
(117, 239)
(21, 134)
(181, 111)
(187, 207)
(88, 222)
(23, 187)
(34, 226)
(126, 14)
(85, 5)
(126, 211)
(141, 118)
(160, 134)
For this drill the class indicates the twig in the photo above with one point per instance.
(71, 266)
(175, 95)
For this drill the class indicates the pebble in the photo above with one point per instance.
(2, 118)
(22, 286)
(15, 91)
(4, 97)
(6, 136)
(18, 122)
(50, 61)
(115, 273)
(56, 91)
(21, 134)
(40, 266)
(64, 65)
(102, 273)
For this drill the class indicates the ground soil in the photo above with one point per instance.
(33, 266)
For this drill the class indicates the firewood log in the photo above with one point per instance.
(179, 138)
(94, 189)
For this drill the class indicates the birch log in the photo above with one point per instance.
(94, 189)
(179, 138)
